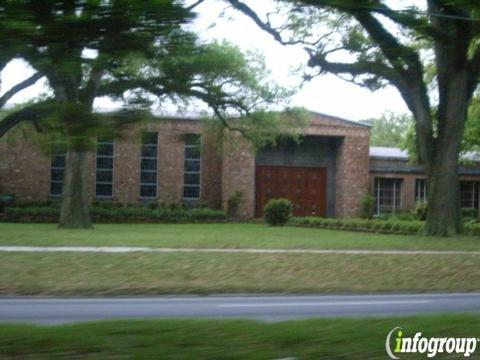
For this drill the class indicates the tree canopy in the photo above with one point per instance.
(390, 129)
(134, 51)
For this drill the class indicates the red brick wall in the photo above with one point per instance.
(25, 170)
(225, 169)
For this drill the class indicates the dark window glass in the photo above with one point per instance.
(192, 140)
(104, 189)
(469, 194)
(148, 191)
(56, 188)
(192, 179)
(104, 149)
(148, 177)
(420, 190)
(387, 193)
(57, 173)
(192, 165)
(58, 161)
(192, 152)
(104, 171)
(104, 176)
(148, 165)
(149, 151)
(150, 138)
(191, 192)
(105, 163)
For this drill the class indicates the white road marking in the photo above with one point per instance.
(344, 303)
(132, 249)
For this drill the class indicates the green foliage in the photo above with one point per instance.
(381, 226)
(367, 206)
(469, 214)
(391, 130)
(390, 226)
(420, 210)
(234, 201)
(471, 138)
(107, 212)
(277, 212)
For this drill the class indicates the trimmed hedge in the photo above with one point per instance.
(383, 226)
(379, 226)
(117, 214)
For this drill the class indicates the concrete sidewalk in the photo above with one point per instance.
(132, 249)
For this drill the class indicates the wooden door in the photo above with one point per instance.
(305, 187)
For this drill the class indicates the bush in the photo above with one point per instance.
(472, 229)
(277, 212)
(469, 214)
(233, 204)
(366, 206)
(114, 213)
(382, 226)
(420, 210)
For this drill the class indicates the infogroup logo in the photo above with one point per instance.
(430, 346)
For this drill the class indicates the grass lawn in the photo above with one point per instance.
(202, 273)
(223, 236)
(202, 339)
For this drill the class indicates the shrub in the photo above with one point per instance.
(366, 207)
(116, 213)
(469, 214)
(403, 216)
(233, 203)
(420, 210)
(473, 229)
(277, 212)
(383, 226)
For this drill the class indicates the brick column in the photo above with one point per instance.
(352, 178)
(238, 174)
(126, 181)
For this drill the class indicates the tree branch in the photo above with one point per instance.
(33, 113)
(265, 26)
(19, 87)
(194, 5)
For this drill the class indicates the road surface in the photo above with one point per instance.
(267, 308)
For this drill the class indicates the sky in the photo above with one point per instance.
(326, 94)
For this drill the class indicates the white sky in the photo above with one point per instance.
(326, 94)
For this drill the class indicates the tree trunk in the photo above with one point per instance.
(74, 212)
(443, 212)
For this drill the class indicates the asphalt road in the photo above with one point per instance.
(267, 308)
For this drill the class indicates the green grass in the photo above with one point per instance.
(223, 236)
(203, 339)
(202, 273)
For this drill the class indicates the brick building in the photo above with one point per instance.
(175, 160)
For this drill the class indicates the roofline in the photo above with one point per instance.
(180, 117)
(352, 122)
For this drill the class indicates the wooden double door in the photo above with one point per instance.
(305, 187)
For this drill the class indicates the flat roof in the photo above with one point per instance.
(388, 153)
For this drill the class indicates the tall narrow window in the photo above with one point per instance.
(104, 172)
(148, 166)
(191, 178)
(420, 190)
(469, 194)
(57, 173)
(388, 194)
